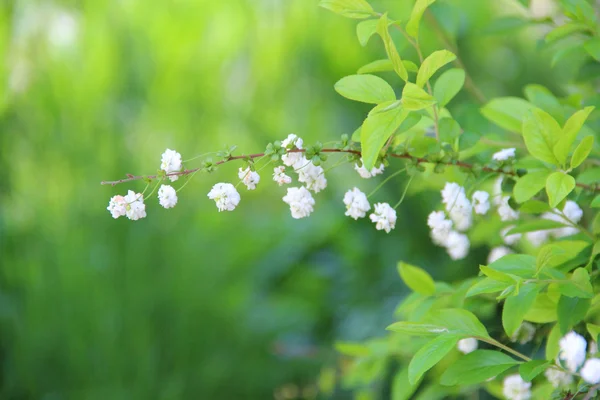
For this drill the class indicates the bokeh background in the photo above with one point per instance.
(190, 303)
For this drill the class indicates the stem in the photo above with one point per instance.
(503, 347)
(404, 193)
(385, 181)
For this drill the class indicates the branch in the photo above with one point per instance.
(416, 160)
(591, 392)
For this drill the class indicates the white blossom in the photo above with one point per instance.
(515, 388)
(249, 178)
(311, 175)
(524, 333)
(591, 371)
(292, 142)
(280, 177)
(364, 173)
(467, 345)
(136, 208)
(481, 202)
(384, 217)
(572, 350)
(558, 378)
(356, 203)
(225, 196)
(497, 253)
(504, 154)
(538, 238)
(510, 239)
(458, 206)
(440, 227)
(117, 206)
(497, 191)
(572, 211)
(593, 347)
(300, 201)
(171, 162)
(457, 245)
(506, 213)
(167, 196)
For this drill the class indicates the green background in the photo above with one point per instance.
(191, 303)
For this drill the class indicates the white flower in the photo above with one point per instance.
(356, 203)
(497, 253)
(481, 202)
(504, 155)
(593, 347)
(572, 350)
(457, 245)
(510, 239)
(440, 227)
(384, 217)
(167, 196)
(467, 345)
(136, 208)
(524, 333)
(117, 206)
(538, 238)
(250, 178)
(290, 143)
(497, 191)
(225, 196)
(171, 162)
(312, 176)
(591, 371)
(364, 173)
(572, 211)
(506, 213)
(458, 206)
(559, 232)
(280, 177)
(300, 200)
(558, 378)
(515, 388)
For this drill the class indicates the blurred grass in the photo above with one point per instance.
(191, 303)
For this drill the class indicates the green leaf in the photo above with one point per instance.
(486, 285)
(402, 389)
(429, 355)
(357, 9)
(366, 29)
(570, 311)
(596, 202)
(498, 276)
(432, 63)
(507, 112)
(416, 279)
(582, 151)
(529, 185)
(558, 186)
(536, 225)
(565, 30)
(534, 206)
(365, 88)
(578, 286)
(522, 265)
(451, 321)
(376, 66)
(390, 47)
(448, 85)
(352, 349)
(592, 46)
(541, 132)
(562, 149)
(412, 26)
(414, 98)
(594, 331)
(596, 224)
(543, 98)
(417, 328)
(543, 310)
(477, 367)
(377, 129)
(515, 308)
(533, 368)
(449, 130)
(552, 346)
(548, 254)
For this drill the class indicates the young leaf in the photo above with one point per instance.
(558, 186)
(357, 9)
(534, 206)
(533, 368)
(390, 47)
(541, 132)
(582, 151)
(570, 311)
(565, 30)
(365, 88)
(569, 133)
(377, 129)
(414, 98)
(366, 29)
(416, 279)
(543, 98)
(529, 185)
(458, 321)
(578, 286)
(429, 355)
(522, 265)
(401, 387)
(543, 310)
(432, 63)
(507, 112)
(486, 285)
(412, 26)
(552, 346)
(596, 202)
(515, 308)
(376, 66)
(448, 85)
(536, 225)
(592, 46)
(449, 130)
(417, 328)
(594, 331)
(477, 367)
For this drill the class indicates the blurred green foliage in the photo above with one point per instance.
(191, 303)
